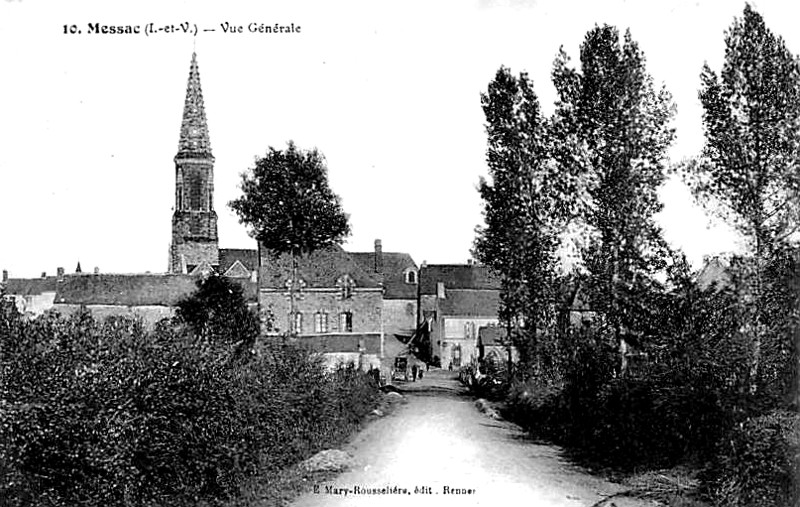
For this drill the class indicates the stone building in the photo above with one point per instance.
(398, 274)
(195, 244)
(31, 296)
(332, 305)
(456, 300)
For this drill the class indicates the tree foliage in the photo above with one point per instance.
(288, 203)
(612, 105)
(748, 171)
(518, 240)
(109, 413)
(218, 310)
(751, 115)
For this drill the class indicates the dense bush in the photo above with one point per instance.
(488, 380)
(760, 463)
(691, 395)
(108, 413)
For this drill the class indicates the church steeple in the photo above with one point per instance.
(194, 138)
(194, 222)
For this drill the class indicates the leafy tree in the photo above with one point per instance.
(218, 311)
(748, 169)
(517, 148)
(612, 105)
(288, 203)
(530, 197)
(289, 206)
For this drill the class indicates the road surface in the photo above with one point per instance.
(442, 451)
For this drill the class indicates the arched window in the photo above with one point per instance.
(321, 322)
(180, 197)
(296, 322)
(346, 322)
(456, 356)
(411, 276)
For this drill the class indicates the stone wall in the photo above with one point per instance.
(366, 306)
(194, 252)
(399, 315)
(149, 314)
(34, 304)
(194, 222)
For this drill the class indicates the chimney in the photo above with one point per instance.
(470, 262)
(60, 273)
(96, 270)
(440, 290)
(44, 274)
(5, 275)
(378, 256)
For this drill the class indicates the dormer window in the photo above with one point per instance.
(411, 276)
(346, 286)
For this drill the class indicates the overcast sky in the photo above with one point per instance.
(389, 92)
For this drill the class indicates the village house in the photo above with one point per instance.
(31, 296)
(399, 275)
(332, 305)
(455, 301)
(494, 346)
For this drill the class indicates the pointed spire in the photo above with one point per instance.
(194, 128)
(78, 268)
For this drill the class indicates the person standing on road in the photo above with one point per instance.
(414, 373)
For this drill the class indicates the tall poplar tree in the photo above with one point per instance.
(749, 171)
(612, 105)
(527, 202)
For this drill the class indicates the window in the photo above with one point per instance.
(180, 198)
(296, 322)
(456, 356)
(346, 322)
(411, 277)
(469, 331)
(346, 286)
(321, 322)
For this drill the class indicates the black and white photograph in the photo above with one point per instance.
(445, 252)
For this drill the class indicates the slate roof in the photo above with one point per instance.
(321, 269)
(323, 343)
(30, 286)
(131, 290)
(194, 138)
(457, 276)
(492, 336)
(395, 265)
(714, 273)
(228, 256)
(470, 303)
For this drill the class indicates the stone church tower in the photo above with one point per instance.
(194, 222)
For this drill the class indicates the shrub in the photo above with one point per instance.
(107, 413)
(760, 463)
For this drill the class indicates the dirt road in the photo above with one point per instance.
(442, 451)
